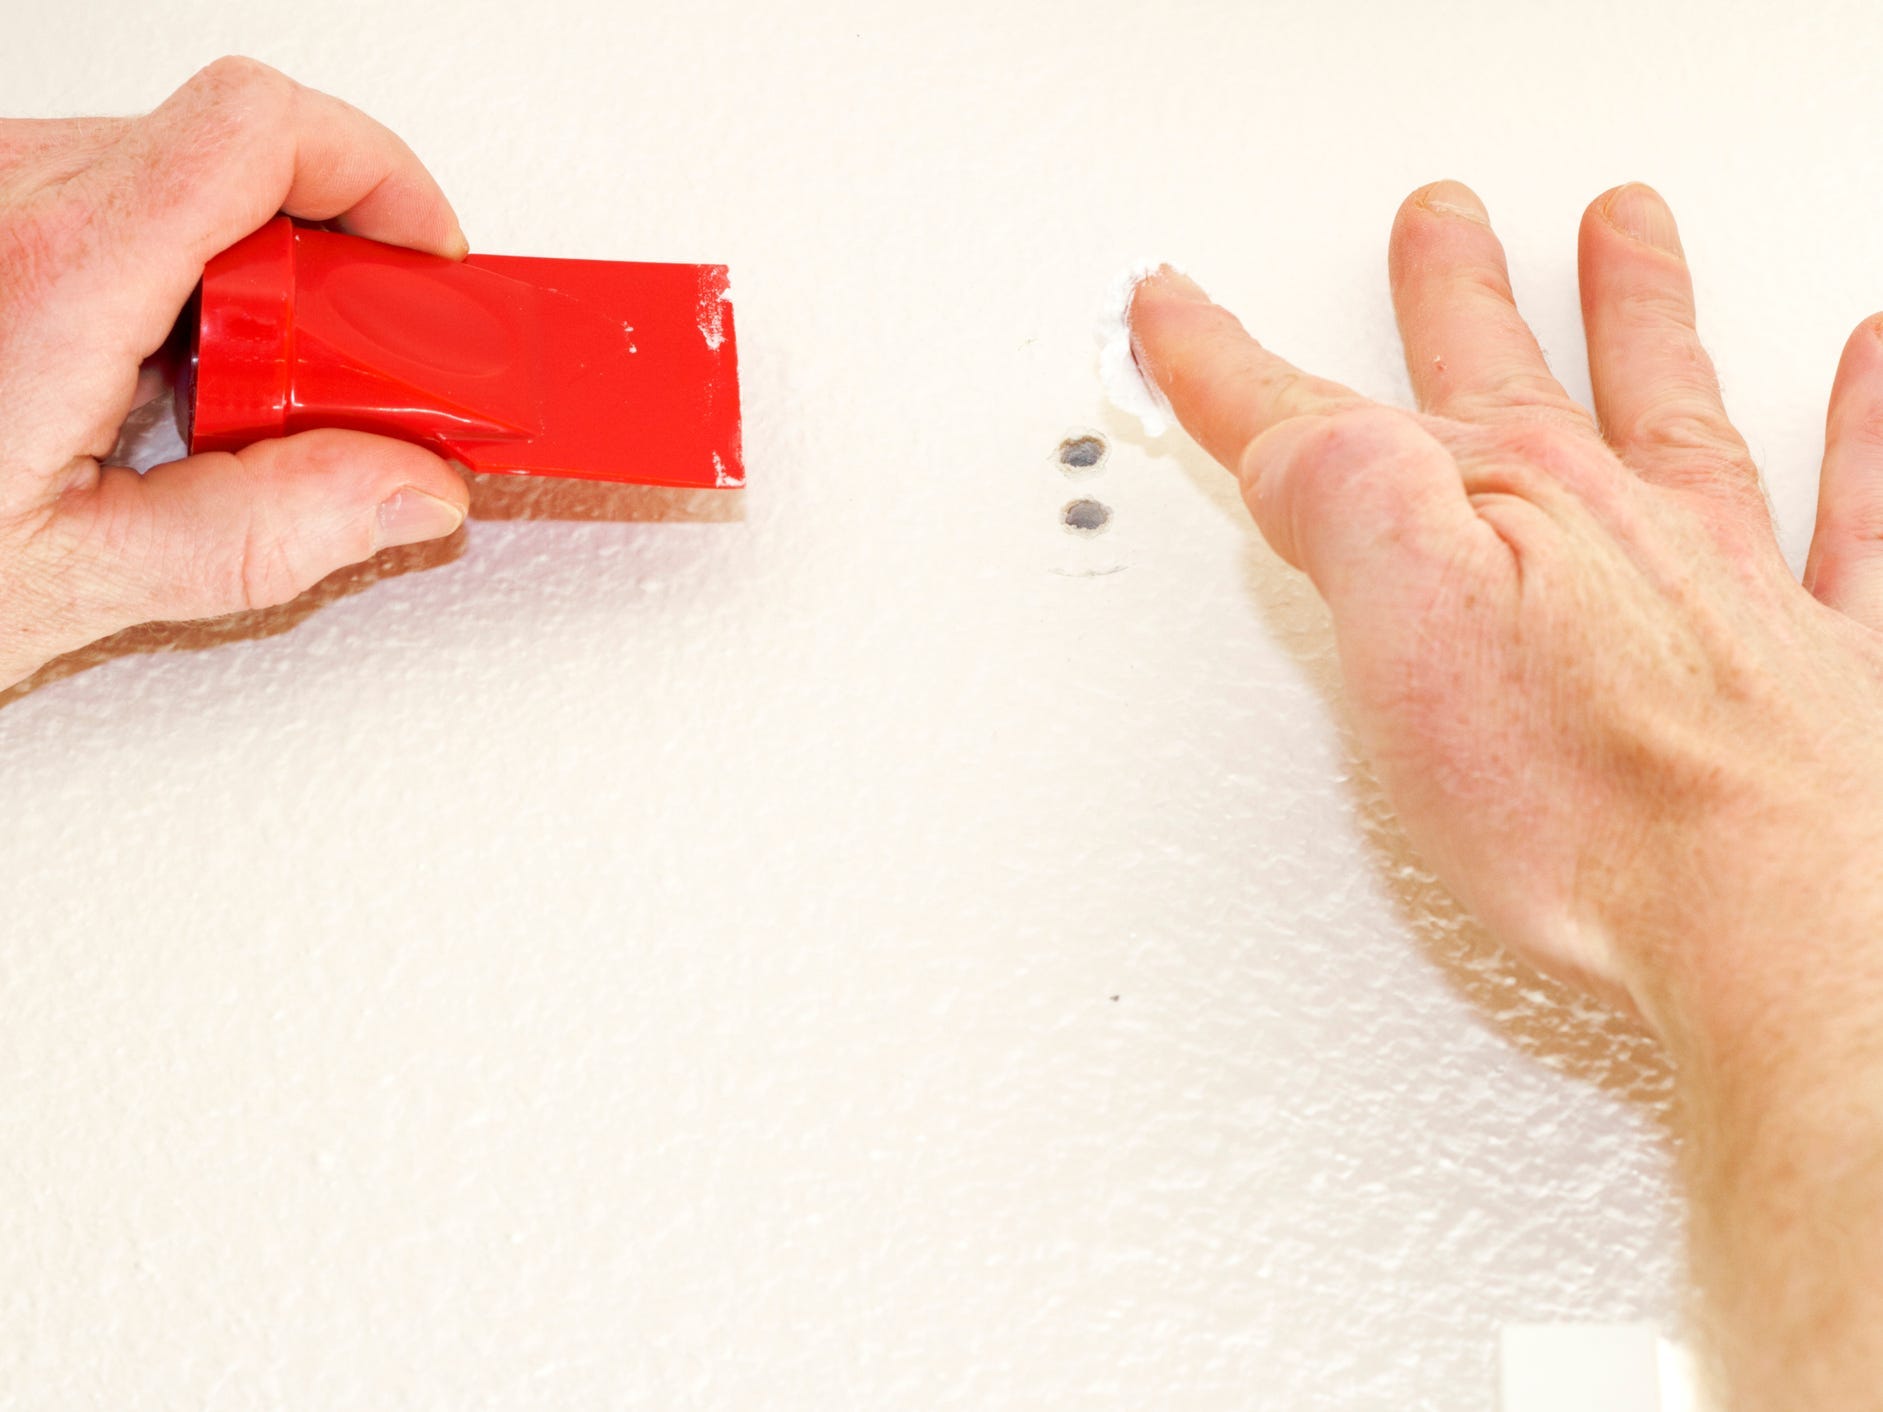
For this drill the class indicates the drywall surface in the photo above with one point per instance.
(853, 943)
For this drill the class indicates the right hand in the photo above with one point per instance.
(1609, 717)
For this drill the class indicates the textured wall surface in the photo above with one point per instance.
(853, 944)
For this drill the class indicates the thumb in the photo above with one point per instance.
(228, 531)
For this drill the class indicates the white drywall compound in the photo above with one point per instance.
(850, 942)
(1126, 387)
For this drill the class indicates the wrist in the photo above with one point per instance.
(1772, 1012)
(1790, 1007)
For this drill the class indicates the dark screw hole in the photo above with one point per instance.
(1085, 516)
(1081, 453)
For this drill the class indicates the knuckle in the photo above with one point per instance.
(237, 74)
(1853, 519)
(1480, 283)
(1687, 425)
(1537, 460)
(1653, 304)
(324, 453)
(242, 95)
(1306, 439)
(1515, 391)
(1864, 435)
(1326, 453)
(1353, 434)
(1535, 443)
(1529, 387)
(229, 109)
(1867, 437)
(264, 573)
(1283, 383)
(1311, 440)
(239, 567)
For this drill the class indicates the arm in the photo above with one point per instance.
(105, 225)
(1646, 757)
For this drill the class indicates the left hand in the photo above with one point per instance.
(105, 226)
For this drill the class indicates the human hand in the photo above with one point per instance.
(1609, 717)
(105, 226)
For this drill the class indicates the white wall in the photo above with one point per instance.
(822, 948)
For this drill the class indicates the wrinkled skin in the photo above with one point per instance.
(1643, 754)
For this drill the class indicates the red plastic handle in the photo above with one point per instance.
(600, 370)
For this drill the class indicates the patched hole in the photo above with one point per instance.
(1082, 453)
(1085, 516)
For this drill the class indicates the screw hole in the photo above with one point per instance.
(1085, 516)
(1082, 453)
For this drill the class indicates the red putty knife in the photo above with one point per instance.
(592, 369)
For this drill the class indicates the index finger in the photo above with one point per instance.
(1224, 387)
(235, 145)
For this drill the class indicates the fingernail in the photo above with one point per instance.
(1638, 212)
(1174, 281)
(411, 516)
(1454, 198)
(460, 247)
